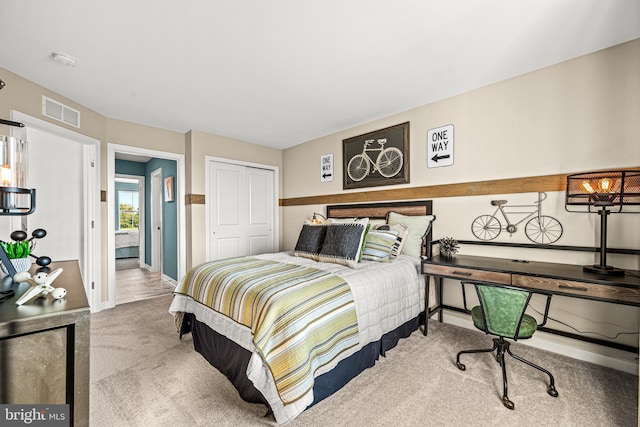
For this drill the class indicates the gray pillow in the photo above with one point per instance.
(310, 241)
(343, 243)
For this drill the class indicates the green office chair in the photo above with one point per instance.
(502, 313)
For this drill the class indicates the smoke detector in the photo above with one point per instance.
(63, 58)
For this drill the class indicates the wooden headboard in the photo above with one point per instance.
(380, 211)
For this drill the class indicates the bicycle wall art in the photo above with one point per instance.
(376, 158)
(540, 229)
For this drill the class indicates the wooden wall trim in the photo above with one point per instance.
(194, 199)
(498, 186)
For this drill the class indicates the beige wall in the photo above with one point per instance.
(575, 116)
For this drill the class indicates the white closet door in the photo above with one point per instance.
(260, 219)
(240, 207)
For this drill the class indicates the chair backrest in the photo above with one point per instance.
(503, 309)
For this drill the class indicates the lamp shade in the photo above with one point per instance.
(617, 190)
(604, 192)
(15, 198)
(13, 162)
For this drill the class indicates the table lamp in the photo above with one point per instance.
(15, 200)
(604, 192)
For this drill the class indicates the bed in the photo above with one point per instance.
(127, 244)
(334, 315)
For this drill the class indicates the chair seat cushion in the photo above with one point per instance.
(527, 328)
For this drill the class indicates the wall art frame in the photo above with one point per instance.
(169, 195)
(376, 158)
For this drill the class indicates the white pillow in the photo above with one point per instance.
(418, 227)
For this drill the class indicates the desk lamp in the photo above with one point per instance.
(604, 192)
(15, 200)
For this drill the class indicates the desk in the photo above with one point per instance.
(559, 279)
(44, 346)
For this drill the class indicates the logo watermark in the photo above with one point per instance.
(35, 415)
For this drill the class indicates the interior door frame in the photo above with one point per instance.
(180, 192)
(92, 245)
(276, 196)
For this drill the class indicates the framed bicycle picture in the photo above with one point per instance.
(376, 158)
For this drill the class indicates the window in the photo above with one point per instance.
(128, 210)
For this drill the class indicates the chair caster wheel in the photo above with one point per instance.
(461, 366)
(552, 391)
(507, 403)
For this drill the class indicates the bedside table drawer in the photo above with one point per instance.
(467, 274)
(587, 290)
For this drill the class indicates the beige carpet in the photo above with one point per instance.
(143, 375)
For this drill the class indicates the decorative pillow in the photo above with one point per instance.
(342, 243)
(364, 239)
(402, 232)
(379, 244)
(375, 223)
(418, 227)
(310, 241)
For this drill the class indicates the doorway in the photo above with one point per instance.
(150, 277)
(64, 168)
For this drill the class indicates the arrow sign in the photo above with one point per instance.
(440, 146)
(436, 157)
(326, 167)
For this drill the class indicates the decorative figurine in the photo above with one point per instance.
(41, 284)
(39, 233)
(448, 247)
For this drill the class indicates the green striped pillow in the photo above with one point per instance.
(379, 244)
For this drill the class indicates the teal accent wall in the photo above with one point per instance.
(126, 167)
(169, 210)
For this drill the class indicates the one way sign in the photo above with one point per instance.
(440, 147)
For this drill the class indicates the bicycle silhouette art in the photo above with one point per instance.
(388, 163)
(541, 229)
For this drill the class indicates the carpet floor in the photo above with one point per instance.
(142, 374)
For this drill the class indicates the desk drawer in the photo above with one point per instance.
(586, 290)
(467, 273)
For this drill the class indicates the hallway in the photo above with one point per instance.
(134, 283)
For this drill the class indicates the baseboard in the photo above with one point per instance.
(166, 278)
(593, 353)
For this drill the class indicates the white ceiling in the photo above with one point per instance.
(282, 72)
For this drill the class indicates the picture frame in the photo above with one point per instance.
(168, 189)
(376, 158)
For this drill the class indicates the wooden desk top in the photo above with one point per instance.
(70, 279)
(562, 279)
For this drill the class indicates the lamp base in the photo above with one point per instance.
(606, 270)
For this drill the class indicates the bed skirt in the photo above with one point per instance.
(232, 360)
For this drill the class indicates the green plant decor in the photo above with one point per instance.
(448, 247)
(15, 250)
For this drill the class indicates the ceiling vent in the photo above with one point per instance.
(60, 112)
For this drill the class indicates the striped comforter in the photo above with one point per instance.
(301, 318)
